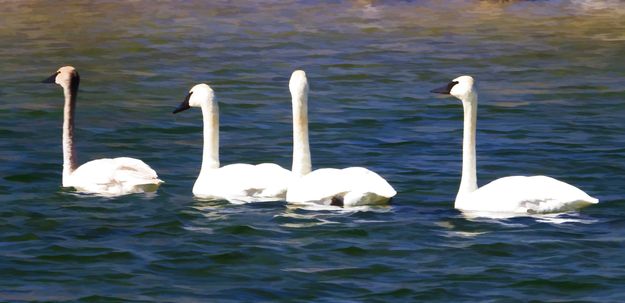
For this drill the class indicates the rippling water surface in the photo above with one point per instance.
(552, 90)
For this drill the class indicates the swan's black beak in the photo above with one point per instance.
(51, 79)
(184, 105)
(445, 89)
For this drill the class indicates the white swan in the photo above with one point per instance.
(237, 183)
(515, 194)
(353, 186)
(110, 177)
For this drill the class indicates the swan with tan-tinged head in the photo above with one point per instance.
(110, 177)
(348, 187)
(237, 183)
(514, 194)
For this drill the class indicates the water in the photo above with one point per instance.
(551, 77)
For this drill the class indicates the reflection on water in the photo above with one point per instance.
(503, 217)
(572, 217)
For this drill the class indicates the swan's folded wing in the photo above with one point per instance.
(365, 180)
(97, 176)
(134, 172)
(100, 171)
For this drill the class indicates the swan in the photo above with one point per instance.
(236, 183)
(348, 187)
(109, 177)
(514, 194)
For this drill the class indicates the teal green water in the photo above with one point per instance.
(551, 76)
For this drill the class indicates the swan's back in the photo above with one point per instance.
(522, 194)
(347, 187)
(115, 177)
(242, 183)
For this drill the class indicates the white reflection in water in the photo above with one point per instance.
(564, 218)
(316, 215)
(501, 217)
(204, 230)
(451, 233)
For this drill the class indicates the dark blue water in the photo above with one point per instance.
(551, 76)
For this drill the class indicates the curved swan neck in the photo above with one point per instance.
(301, 147)
(210, 155)
(468, 182)
(69, 152)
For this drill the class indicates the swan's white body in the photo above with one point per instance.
(348, 187)
(236, 183)
(110, 177)
(113, 177)
(353, 186)
(521, 194)
(243, 183)
(515, 194)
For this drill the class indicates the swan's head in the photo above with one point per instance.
(461, 88)
(198, 95)
(66, 76)
(298, 85)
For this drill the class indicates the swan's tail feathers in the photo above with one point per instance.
(579, 204)
(367, 181)
(149, 187)
(355, 198)
(136, 176)
(584, 203)
(555, 206)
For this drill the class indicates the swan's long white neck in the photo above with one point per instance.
(468, 182)
(69, 152)
(301, 147)
(210, 155)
